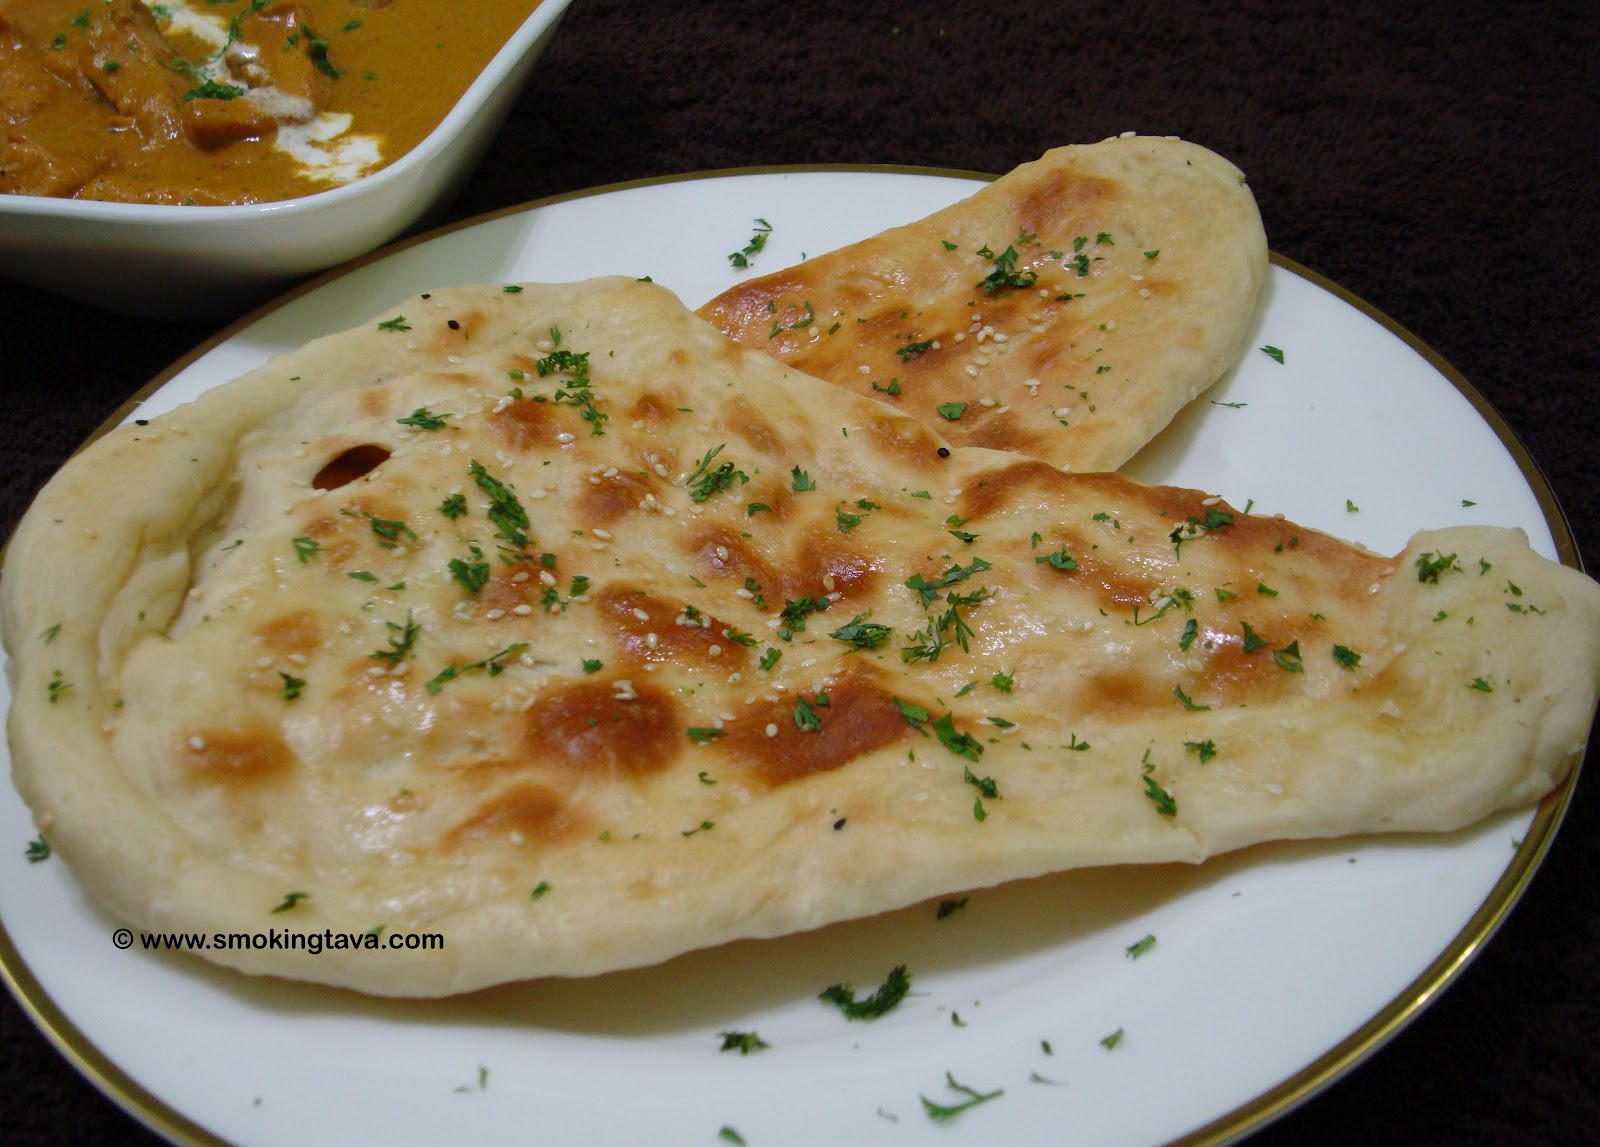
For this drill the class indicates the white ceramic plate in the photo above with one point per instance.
(1272, 969)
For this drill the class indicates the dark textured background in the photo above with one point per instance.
(1436, 159)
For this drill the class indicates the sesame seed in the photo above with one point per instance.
(828, 582)
(537, 493)
(1001, 336)
(972, 371)
(772, 730)
(864, 369)
(1111, 324)
(545, 577)
(522, 609)
(198, 744)
(641, 614)
(961, 336)
(651, 641)
(495, 614)
(565, 437)
(714, 651)
(599, 533)
(1144, 292)
(522, 576)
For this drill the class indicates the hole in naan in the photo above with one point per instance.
(356, 462)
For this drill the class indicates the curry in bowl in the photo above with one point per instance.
(228, 101)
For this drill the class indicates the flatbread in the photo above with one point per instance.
(399, 635)
(1066, 311)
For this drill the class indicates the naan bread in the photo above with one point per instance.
(398, 632)
(1066, 311)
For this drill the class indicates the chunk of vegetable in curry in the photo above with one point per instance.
(228, 101)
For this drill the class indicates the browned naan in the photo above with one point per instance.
(436, 627)
(1066, 311)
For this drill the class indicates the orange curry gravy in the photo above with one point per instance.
(211, 101)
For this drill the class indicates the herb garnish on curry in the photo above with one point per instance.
(228, 101)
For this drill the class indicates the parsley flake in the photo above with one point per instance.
(879, 1003)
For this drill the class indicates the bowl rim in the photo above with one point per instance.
(539, 21)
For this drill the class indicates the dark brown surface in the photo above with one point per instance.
(1437, 160)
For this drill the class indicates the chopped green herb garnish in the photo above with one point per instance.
(1430, 565)
(505, 512)
(879, 1003)
(289, 900)
(402, 639)
(472, 573)
(454, 506)
(741, 258)
(861, 633)
(1141, 946)
(742, 1042)
(1346, 656)
(961, 744)
(38, 849)
(398, 323)
(942, 1112)
(1273, 353)
(292, 686)
(304, 548)
(1005, 274)
(423, 419)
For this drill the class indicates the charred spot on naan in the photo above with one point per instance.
(297, 631)
(821, 559)
(606, 498)
(525, 423)
(646, 627)
(617, 728)
(778, 742)
(236, 757)
(525, 813)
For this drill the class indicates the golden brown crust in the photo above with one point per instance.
(1067, 311)
(706, 656)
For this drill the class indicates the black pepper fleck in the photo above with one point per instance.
(944, 451)
(453, 325)
(838, 824)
